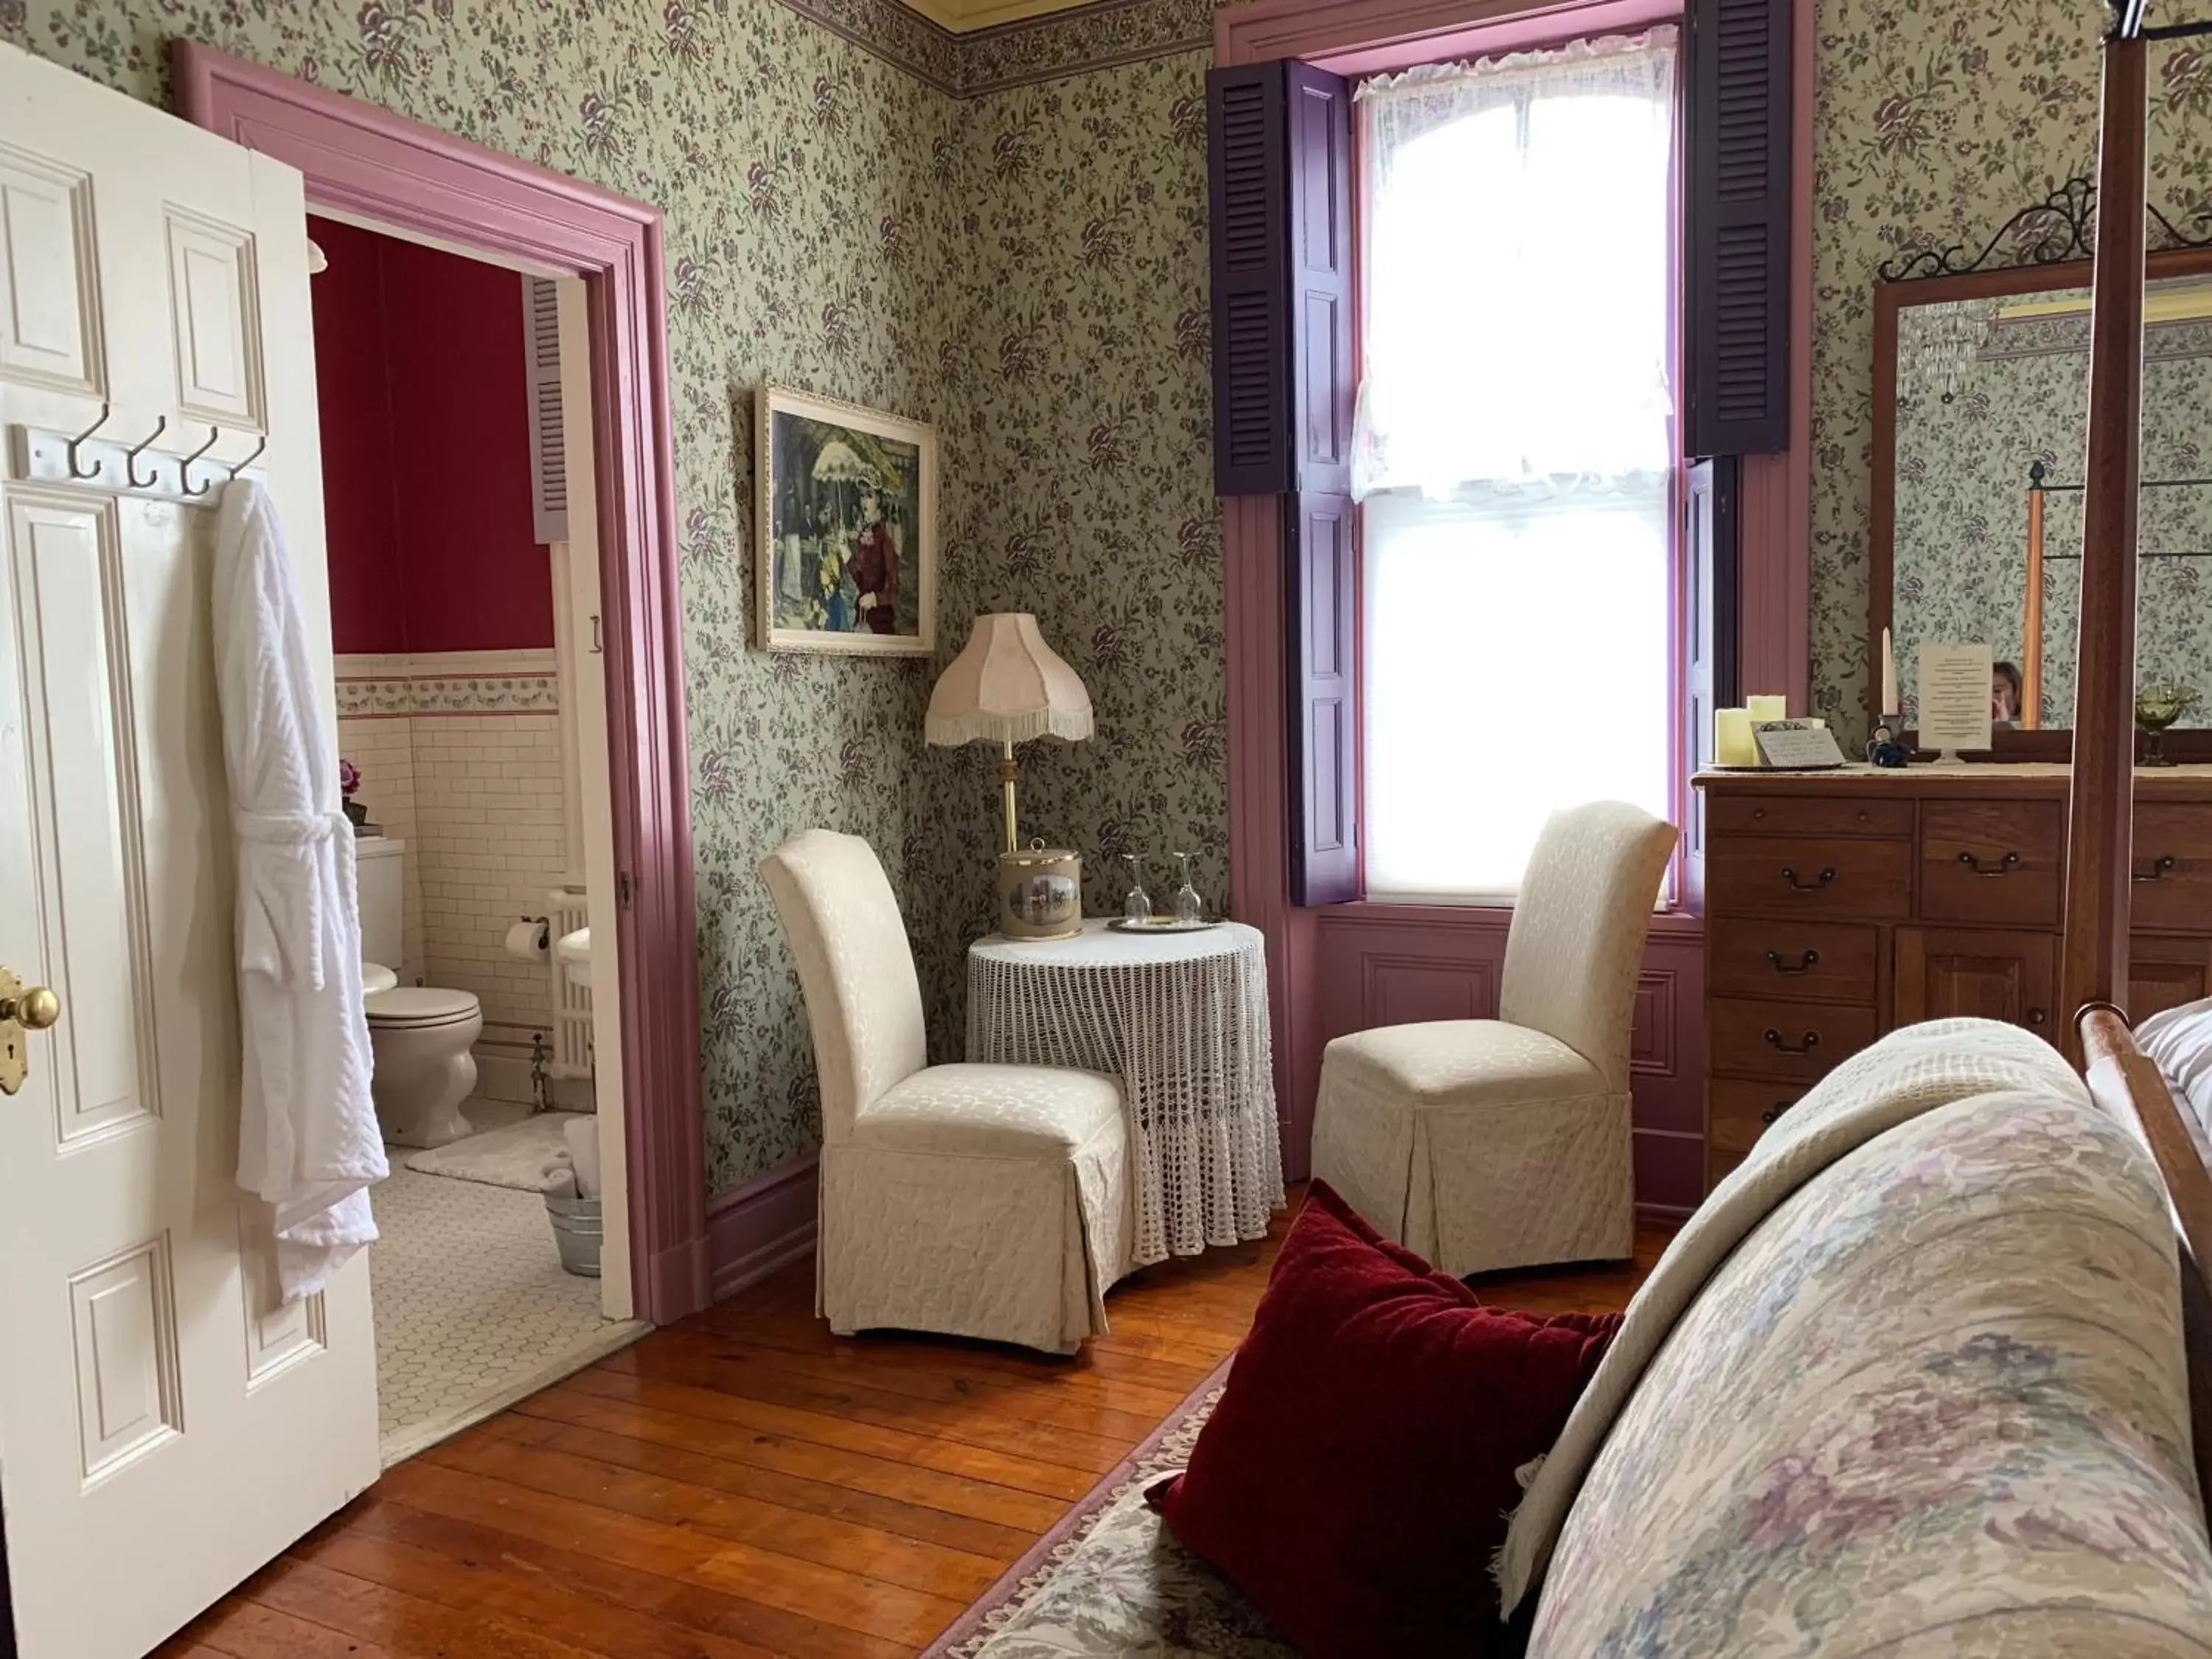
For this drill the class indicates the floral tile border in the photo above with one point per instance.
(1100, 35)
(457, 694)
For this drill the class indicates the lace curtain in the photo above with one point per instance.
(1528, 199)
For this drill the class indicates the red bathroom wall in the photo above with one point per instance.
(355, 395)
(432, 545)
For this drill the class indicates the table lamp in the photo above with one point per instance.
(1008, 686)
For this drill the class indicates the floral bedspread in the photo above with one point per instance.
(1935, 1403)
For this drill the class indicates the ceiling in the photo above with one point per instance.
(965, 16)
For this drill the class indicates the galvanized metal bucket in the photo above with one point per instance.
(578, 1231)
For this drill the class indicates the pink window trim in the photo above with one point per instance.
(1514, 27)
(360, 160)
(1774, 510)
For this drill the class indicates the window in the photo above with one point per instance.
(1515, 454)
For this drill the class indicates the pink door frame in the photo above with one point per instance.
(363, 161)
(1305, 993)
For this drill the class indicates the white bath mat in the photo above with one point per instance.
(517, 1155)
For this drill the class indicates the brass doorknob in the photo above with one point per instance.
(34, 1009)
(22, 1008)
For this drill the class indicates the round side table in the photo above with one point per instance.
(1181, 1018)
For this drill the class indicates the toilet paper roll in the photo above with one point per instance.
(526, 939)
(582, 1133)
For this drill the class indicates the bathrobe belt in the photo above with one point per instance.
(304, 834)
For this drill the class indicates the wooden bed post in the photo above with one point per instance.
(2100, 809)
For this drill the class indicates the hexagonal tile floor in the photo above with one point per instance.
(473, 1309)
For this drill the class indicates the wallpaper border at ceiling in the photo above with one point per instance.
(1100, 35)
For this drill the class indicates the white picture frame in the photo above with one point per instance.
(844, 528)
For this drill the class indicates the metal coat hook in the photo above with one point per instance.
(184, 470)
(92, 471)
(249, 460)
(130, 457)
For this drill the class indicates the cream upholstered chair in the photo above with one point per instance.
(990, 1201)
(1484, 1144)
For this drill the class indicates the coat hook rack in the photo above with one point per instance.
(249, 460)
(185, 471)
(77, 470)
(130, 457)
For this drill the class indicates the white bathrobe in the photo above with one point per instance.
(308, 1143)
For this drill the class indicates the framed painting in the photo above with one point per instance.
(845, 523)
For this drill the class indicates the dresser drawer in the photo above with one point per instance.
(1738, 1112)
(1793, 1042)
(2173, 868)
(1992, 860)
(1798, 815)
(1819, 880)
(1816, 961)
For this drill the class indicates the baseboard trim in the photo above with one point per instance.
(765, 1223)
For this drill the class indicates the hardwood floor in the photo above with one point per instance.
(746, 1485)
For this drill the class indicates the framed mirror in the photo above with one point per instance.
(1981, 396)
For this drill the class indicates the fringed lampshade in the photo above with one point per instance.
(1008, 686)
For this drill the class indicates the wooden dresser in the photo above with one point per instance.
(1841, 904)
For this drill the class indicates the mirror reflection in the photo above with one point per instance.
(1990, 439)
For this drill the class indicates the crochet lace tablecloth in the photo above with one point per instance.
(1181, 1018)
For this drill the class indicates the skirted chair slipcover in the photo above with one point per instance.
(1485, 1143)
(989, 1201)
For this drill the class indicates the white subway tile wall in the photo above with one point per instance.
(483, 779)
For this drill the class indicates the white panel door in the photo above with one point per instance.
(166, 1425)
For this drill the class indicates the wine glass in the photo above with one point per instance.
(1188, 905)
(1137, 904)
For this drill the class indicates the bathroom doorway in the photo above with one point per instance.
(454, 397)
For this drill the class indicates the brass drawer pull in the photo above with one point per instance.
(1772, 1114)
(1804, 1045)
(2004, 866)
(2160, 868)
(1804, 964)
(2037, 1016)
(1790, 875)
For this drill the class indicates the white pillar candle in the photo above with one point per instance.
(1732, 740)
(1888, 678)
(1763, 710)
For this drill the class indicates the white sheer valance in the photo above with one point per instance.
(1527, 199)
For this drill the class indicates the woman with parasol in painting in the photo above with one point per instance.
(872, 563)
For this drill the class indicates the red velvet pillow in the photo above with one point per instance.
(1356, 1477)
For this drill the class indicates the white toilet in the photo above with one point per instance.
(422, 1036)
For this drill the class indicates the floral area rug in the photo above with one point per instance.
(1109, 1578)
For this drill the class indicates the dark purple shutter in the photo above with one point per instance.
(1736, 246)
(1323, 383)
(1324, 754)
(1324, 571)
(1280, 140)
(1247, 169)
(1710, 537)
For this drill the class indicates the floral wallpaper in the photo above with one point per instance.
(1961, 546)
(1936, 120)
(812, 201)
(1083, 428)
